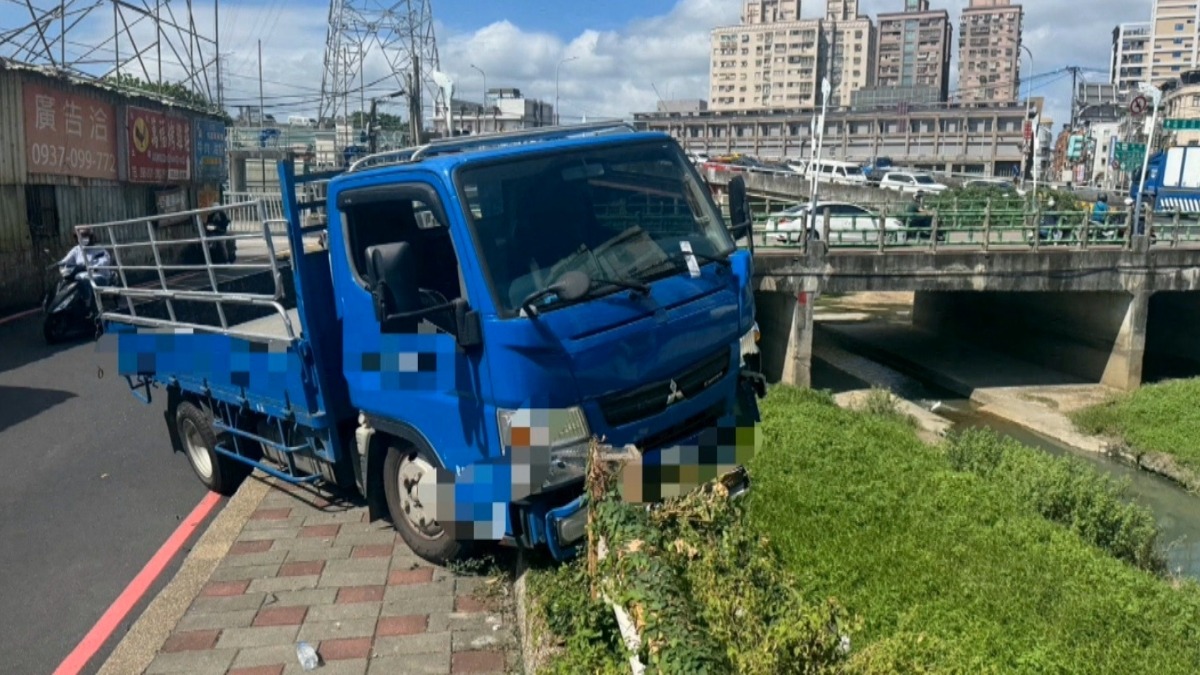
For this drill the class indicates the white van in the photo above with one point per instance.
(834, 171)
(301, 121)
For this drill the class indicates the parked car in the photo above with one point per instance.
(993, 183)
(848, 224)
(911, 182)
(790, 213)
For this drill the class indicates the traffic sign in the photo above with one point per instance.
(1181, 125)
(1138, 105)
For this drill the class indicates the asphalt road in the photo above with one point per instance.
(89, 491)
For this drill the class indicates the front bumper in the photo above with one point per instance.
(563, 529)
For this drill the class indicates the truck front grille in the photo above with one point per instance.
(638, 404)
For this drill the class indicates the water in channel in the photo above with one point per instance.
(1177, 512)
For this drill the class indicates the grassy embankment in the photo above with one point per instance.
(1162, 418)
(977, 556)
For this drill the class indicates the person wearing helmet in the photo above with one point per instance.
(85, 255)
(1100, 211)
(1049, 227)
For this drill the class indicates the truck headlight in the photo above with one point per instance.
(750, 342)
(560, 434)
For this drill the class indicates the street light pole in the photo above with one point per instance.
(1033, 129)
(825, 90)
(485, 89)
(1155, 95)
(557, 116)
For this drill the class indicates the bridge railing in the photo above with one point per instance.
(978, 229)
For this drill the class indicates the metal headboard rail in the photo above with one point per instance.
(166, 272)
(460, 144)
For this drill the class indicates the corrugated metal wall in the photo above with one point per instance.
(67, 201)
(12, 121)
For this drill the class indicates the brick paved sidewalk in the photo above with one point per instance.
(303, 568)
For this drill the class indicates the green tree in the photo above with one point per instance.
(176, 91)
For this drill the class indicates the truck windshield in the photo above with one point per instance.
(614, 213)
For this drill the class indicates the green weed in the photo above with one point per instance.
(952, 571)
(1160, 417)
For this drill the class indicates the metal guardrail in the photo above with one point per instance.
(242, 220)
(175, 282)
(977, 230)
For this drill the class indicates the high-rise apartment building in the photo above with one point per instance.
(1173, 39)
(770, 11)
(913, 48)
(1130, 55)
(849, 51)
(775, 61)
(989, 52)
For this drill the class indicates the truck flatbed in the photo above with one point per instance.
(272, 325)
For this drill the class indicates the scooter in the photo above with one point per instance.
(223, 251)
(71, 307)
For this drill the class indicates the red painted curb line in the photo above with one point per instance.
(19, 315)
(120, 608)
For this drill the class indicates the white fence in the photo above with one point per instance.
(272, 205)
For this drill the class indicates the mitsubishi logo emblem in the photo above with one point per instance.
(675, 396)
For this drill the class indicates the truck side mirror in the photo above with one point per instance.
(468, 330)
(739, 211)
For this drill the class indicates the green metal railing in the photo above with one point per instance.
(978, 229)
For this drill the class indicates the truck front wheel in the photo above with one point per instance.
(404, 470)
(218, 473)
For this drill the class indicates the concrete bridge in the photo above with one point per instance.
(1096, 311)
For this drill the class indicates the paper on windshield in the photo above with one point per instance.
(692, 265)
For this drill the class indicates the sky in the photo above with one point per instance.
(626, 53)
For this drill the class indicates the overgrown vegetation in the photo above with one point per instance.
(703, 586)
(1065, 491)
(882, 403)
(978, 556)
(1161, 417)
(177, 91)
(969, 206)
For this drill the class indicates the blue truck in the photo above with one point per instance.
(478, 312)
(1172, 180)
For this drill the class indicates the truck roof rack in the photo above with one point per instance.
(461, 144)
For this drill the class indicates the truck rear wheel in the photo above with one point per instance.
(404, 470)
(218, 473)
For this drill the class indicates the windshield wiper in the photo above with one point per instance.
(679, 259)
(575, 285)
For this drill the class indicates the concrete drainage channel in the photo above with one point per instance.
(1016, 413)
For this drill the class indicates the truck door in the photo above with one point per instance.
(410, 376)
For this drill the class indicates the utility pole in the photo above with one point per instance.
(217, 36)
(262, 122)
(1074, 91)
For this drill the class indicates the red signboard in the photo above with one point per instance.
(160, 146)
(69, 134)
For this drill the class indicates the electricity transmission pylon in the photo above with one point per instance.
(361, 31)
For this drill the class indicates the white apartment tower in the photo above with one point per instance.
(1173, 41)
(1130, 55)
(774, 60)
(849, 51)
(989, 53)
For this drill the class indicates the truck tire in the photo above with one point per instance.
(402, 470)
(218, 473)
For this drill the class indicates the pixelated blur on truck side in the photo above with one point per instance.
(481, 310)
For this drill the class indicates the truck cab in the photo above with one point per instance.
(1172, 180)
(483, 310)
